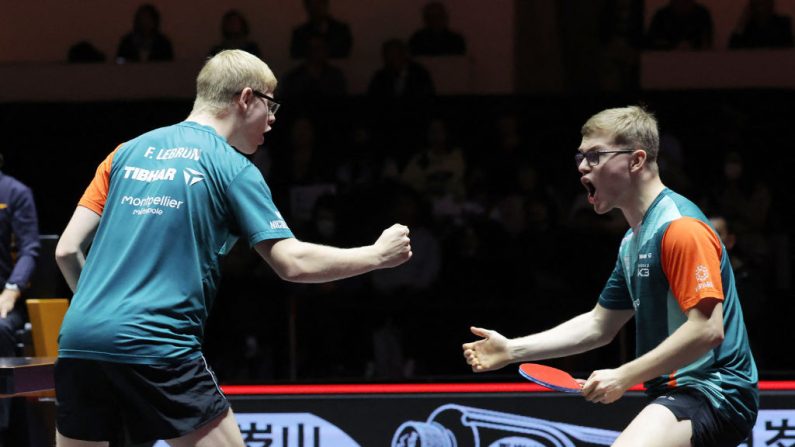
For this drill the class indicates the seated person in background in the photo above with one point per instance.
(19, 248)
(84, 52)
(680, 25)
(145, 42)
(315, 79)
(436, 38)
(400, 78)
(336, 34)
(234, 34)
(760, 27)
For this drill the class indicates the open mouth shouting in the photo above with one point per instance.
(589, 186)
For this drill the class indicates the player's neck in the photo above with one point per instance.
(647, 192)
(221, 126)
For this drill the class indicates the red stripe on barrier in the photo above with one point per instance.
(427, 388)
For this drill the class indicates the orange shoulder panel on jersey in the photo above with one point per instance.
(97, 192)
(691, 254)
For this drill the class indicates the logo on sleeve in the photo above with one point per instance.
(702, 277)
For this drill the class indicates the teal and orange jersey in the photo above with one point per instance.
(172, 202)
(674, 261)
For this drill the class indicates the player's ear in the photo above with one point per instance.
(244, 98)
(638, 160)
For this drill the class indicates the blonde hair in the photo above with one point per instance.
(226, 74)
(631, 125)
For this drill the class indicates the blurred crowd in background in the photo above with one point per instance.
(502, 233)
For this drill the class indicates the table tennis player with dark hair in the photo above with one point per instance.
(159, 213)
(674, 276)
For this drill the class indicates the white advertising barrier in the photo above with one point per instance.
(454, 425)
(288, 430)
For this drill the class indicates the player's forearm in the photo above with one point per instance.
(580, 334)
(688, 343)
(312, 263)
(70, 262)
(70, 253)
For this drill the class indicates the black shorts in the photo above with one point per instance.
(105, 401)
(711, 428)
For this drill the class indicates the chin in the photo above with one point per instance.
(602, 209)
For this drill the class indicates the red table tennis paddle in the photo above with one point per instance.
(550, 377)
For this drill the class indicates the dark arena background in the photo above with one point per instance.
(502, 234)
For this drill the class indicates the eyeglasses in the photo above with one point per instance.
(593, 156)
(272, 104)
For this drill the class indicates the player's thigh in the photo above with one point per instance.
(656, 426)
(220, 432)
(63, 441)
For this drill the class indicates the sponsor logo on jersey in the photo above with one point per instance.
(278, 224)
(151, 204)
(146, 175)
(702, 276)
(192, 176)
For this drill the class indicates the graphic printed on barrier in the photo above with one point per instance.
(288, 430)
(454, 425)
(773, 428)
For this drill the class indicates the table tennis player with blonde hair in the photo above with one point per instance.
(674, 276)
(160, 211)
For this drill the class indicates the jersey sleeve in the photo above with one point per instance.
(251, 202)
(615, 294)
(96, 194)
(691, 256)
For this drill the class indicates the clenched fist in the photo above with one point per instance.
(393, 246)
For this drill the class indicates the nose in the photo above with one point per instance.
(584, 167)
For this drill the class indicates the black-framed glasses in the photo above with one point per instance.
(272, 104)
(593, 156)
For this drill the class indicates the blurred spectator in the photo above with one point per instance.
(400, 77)
(748, 280)
(84, 52)
(315, 79)
(435, 38)
(420, 274)
(670, 160)
(681, 25)
(145, 42)
(336, 34)
(506, 151)
(301, 173)
(621, 38)
(438, 170)
(401, 94)
(740, 196)
(404, 291)
(760, 27)
(362, 165)
(234, 34)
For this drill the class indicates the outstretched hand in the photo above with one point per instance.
(393, 246)
(489, 353)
